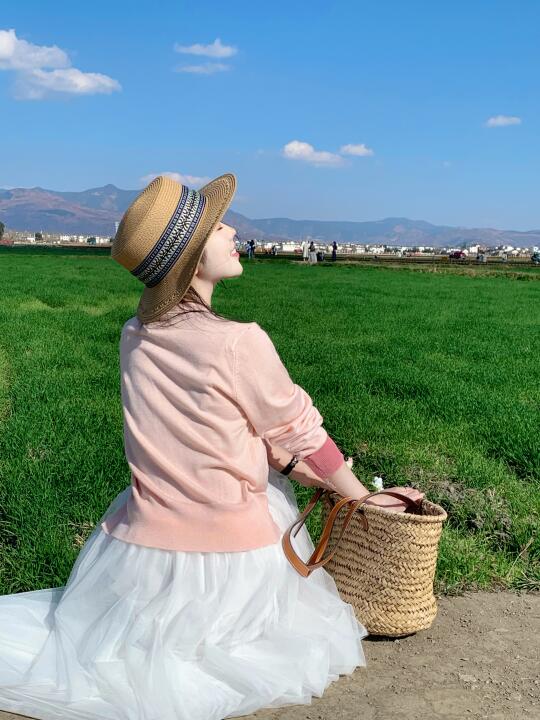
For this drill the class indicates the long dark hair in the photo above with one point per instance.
(193, 297)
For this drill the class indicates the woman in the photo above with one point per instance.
(181, 604)
(305, 251)
(312, 253)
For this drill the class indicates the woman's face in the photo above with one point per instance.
(220, 258)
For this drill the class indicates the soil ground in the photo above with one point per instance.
(479, 659)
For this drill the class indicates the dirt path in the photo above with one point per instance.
(480, 659)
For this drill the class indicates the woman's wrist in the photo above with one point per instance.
(293, 462)
(345, 482)
(277, 456)
(342, 481)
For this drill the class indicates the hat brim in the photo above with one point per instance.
(157, 300)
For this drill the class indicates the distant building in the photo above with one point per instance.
(289, 246)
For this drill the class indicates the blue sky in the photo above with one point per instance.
(323, 110)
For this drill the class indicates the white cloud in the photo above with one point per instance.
(37, 83)
(360, 150)
(215, 50)
(503, 121)
(206, 69)
(192, 181)
(16, 54)
(34, 82)
(297, 150)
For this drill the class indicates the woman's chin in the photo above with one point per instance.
(239, 268)
(235, 271)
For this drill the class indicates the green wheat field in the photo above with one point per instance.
(428, 378)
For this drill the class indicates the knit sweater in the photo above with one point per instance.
(199, 398)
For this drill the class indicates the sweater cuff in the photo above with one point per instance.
(326, 460)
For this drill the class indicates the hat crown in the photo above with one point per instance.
(145, 220)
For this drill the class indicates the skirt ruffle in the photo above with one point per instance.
(140, 633)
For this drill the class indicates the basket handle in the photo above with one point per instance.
(306, 568)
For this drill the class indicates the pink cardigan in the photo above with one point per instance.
(198, 398)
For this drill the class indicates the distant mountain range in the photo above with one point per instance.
(94, 212)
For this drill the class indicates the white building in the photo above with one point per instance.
(375, 249)
(290, 246)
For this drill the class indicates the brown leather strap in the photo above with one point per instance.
(316, 560)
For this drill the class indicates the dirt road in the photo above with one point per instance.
(480, 659)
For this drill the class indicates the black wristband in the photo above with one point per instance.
(287, 469)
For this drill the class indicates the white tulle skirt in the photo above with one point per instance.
(140, 633)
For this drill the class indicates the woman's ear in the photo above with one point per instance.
(201, 260)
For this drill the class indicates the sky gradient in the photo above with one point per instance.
(327, 111)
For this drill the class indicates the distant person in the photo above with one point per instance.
(305, 250)
(274, 250)
(312, 253)
(252, 243)
(334, 250)
(248, 250)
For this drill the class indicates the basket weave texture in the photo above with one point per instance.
(386, 572)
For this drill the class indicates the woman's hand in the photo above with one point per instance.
(389, 502)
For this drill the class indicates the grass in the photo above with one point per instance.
(426, 378)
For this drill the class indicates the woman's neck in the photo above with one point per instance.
(205, 288)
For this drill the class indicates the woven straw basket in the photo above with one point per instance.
(383, 562)
(386, 572)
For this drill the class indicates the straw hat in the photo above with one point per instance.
(162, 234)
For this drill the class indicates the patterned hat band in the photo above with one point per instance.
(174, 238)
